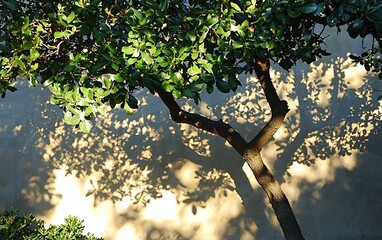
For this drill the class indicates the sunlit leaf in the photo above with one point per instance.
(58, 34)
(85, 126)
(71, 17)
(146, 57)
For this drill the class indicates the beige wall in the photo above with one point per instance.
(186, 184)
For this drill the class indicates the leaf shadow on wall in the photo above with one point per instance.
(337, 114)
(25, 178)
(145, 156)
(327, 152)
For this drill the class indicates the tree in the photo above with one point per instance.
(96, 53)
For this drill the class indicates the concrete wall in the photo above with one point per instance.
(144, 177)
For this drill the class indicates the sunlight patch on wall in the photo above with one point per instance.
(166, 217)
(73, 202)
(163, 209)
(184, 171)
(354, 76)
(206, 110)
(17, 129)
(323, 172)
(128, 231)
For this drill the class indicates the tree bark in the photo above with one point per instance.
(250, 151)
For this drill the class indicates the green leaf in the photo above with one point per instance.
(138, 14)
(67, 117)
(177, 78)
(233, 82)
(34, 55)
(187, 92)
(118, 77)
(307, 8)
(74, 120)
(133, 102)
(146, 57)
(20, 63)
(195, 55)
(128, 109)
(164, 5)
(167, 86)
(223, 86)
(211, 21)
(85, 126)
(235, 6)
(131, 61)
(208, 66)
(197, 86)
(115, 66)
(71, 17)
(293, 14)
(203, 36)
(375, 15)
(128, 50)
(355, 28)
(194, 70)
(210, 88)
(286, 63)
(89, 110)
(11, 88)
(107, 82)
(191, 35)
(11, 5)
(33, 67)
(58, 34)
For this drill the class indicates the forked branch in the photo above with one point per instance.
(215, 127)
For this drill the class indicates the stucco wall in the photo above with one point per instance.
(144, 177)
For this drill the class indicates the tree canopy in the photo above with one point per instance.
(92, 53)
(97, 53)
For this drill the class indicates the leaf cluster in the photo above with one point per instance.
(92, 53)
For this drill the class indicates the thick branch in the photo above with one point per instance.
(215, 127)
(279, 108)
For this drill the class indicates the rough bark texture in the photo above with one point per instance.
(250, 151)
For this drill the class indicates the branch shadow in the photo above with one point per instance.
(140, 160)
(336, 115)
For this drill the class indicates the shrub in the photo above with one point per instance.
(15, 227)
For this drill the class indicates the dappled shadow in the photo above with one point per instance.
(336, 114)
(157, 179)
(144, 156)
(25, 179)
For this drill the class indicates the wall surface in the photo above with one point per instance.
(145, 177)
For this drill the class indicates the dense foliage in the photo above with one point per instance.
(92, 53)
(14, 226)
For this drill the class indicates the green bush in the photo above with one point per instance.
(15, 227)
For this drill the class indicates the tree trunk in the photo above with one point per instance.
(251, 152)
(252, 155)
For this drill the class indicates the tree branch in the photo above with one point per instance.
(279, 108)
(215, 127)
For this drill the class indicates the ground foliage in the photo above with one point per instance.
(16, 226)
